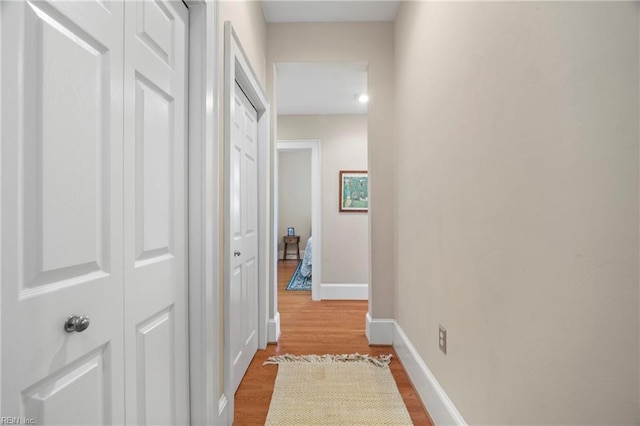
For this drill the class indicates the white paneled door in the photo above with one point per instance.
(244, 235)
(92, 215)
(155, 219)
(62, 204)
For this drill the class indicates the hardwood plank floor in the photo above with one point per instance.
(308, 327)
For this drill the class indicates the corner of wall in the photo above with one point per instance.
(379, 331)
(273, 329)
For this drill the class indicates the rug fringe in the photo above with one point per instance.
(379, 360)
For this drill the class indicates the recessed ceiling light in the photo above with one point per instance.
(364, 98)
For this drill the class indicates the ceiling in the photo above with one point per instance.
(321, 88)
(277, 11)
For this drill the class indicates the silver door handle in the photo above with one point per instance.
(78, 323)
(236, 253)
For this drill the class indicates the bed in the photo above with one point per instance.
(305, 269)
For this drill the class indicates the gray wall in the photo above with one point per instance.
(517, 194)
(294, 192)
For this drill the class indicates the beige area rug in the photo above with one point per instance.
(349, 390)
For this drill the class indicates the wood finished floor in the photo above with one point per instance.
(313, 328)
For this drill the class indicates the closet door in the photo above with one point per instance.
(61, 213)
(243, 293)
(156, 322)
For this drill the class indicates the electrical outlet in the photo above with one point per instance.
(442, 339)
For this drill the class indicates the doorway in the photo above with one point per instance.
(309, 149)
(321, 102)
(251, 218)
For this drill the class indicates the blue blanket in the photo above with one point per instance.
(305, 270)
(301, 279)
(298, 282)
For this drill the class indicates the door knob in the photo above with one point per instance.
(236, 253)
(77, 323)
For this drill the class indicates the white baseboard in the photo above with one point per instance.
(379, 331)
(291, 255)
(344, 291)
(434, 398)
(223, 411)
(273, 329)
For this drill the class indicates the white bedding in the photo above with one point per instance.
(305, 269)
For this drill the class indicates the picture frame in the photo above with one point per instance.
(291, 232)
(354, 191)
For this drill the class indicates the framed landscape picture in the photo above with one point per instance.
(354, 191)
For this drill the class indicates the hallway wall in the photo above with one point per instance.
(247, 19)
(517, 193)
(343, 146)
(370, 42)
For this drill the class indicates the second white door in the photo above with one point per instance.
(155, 213)
(244, 235)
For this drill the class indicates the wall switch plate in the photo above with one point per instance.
(442, 339)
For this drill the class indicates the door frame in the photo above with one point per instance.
(312, 145)
(237, 68)
(209, 404)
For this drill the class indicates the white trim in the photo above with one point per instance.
(379, 331)
(316, 206)
(340, 291)
(2, 231)
(238, 69)
(204, 285)
(440, 407)
(291, 255)
(223, 411)
(273, 329)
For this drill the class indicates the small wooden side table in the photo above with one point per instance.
(291, 239)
